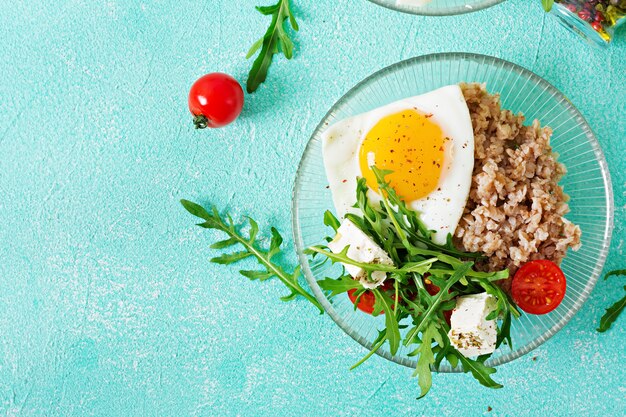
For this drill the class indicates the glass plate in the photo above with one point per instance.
(440, 7)
(587, 182)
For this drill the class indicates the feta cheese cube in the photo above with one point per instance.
(361, 249)
(470, 331)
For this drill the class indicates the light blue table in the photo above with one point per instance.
(108, 304)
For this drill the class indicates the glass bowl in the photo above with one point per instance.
(440, 7)
(587, 182)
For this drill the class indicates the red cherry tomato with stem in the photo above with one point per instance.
(538, 287)
(215, 100)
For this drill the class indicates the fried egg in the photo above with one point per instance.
(428, 143)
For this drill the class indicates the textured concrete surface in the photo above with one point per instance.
(108, 304)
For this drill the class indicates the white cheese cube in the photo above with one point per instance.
(361, 249)
(470, 331)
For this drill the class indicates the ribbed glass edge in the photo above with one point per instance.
(299, 244)
(421, 11)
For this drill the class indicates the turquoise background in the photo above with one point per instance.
(108, 304)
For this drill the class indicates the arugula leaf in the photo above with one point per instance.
(391, 322)
(213, 220)
(378, 342)
(614, 273)
(331, 221)
(547, 4)
(253, 275)
(505, 308)
(478, 369)
(426, 358)
(402, 234)
(442, 295)
(343, 258)
(409, 221)
(611, 314)
(340, 285)
(230, 258)
(373, 221)
(274, 41)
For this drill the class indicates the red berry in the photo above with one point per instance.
(599, 17)
(572, 8)
(597, 26)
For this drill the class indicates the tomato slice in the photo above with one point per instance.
(538, 287)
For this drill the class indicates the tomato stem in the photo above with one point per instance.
(200, 121)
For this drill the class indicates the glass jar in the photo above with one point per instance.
(594, 20)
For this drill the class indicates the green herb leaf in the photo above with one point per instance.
(340, 285)
(230, 258)
(275, 243)
(378, 342)
(408, 223)
(614, 273)
(426, 358)
(505, 308)
(547, 4)
(254, 229)
(254, 48)
(391, 322)
(222, 244)
(402, 234)
(275, 40)
(442, 295)
(611, 314)
(331, 221)
(479, 371)
(343, 258)
(253, 275)
(213, 220)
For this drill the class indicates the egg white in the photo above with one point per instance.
(440, 210)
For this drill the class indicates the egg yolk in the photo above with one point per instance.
(409, 144)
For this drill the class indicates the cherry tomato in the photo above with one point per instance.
(538, 287)
(368, 299)
(215, 100)
(366, 302)
(432, 289)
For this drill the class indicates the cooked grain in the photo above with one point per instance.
(515, 208)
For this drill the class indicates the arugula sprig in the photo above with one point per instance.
(547, 4)
(402, 234)
(613, 312)
(418, 314)
(251, 248)
(275, 40)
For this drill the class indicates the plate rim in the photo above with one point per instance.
(451, 11)
(600, 158)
